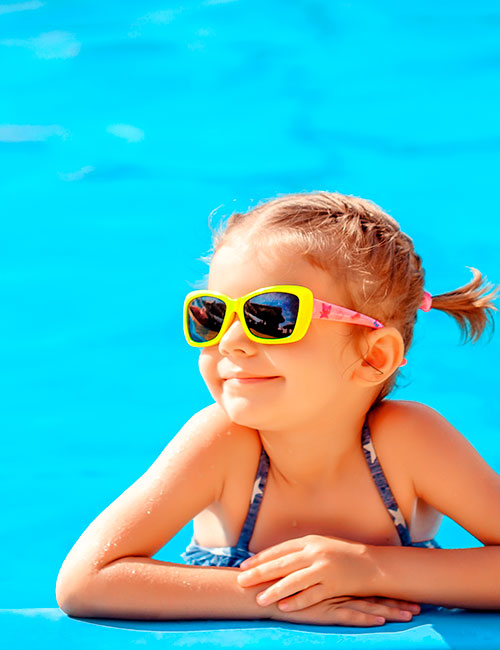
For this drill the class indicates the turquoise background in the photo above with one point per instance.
(123, 126)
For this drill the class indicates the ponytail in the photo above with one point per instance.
(471, 306)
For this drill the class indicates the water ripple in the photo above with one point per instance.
(30, 133)
(20, 6)
(49, 45)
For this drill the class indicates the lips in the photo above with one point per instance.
(243, 379)
(246, 376)
(250, 380)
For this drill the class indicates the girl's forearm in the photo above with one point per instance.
(147, 589)
(468, 578)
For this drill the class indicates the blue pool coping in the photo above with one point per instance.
(44, 628)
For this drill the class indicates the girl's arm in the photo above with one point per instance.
(135, 587)
(110, 573)
(468, 578)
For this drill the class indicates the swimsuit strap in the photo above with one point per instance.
(376, 472)
(383, 486)
(255, 500)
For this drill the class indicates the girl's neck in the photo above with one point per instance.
(313, 455)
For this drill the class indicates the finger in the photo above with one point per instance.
(272, 570)
(297, 581)
(303, 599)
(333, 615)
(348, 616)
(272, 553)
(414, 608)
(378, 609)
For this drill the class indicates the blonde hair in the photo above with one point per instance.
(357, 241)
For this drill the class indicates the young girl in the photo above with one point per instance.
(315, 499)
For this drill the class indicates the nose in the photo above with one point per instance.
(235, 341)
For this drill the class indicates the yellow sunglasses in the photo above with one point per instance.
(273, 315)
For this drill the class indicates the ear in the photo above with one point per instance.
(382, 352)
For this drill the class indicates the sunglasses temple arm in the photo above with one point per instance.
(327, 311)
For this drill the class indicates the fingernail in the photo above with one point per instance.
(261, 599)
(405, 615)
(283, 606)
(379, 620)
(415, 609)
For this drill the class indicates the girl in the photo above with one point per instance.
(308, 315)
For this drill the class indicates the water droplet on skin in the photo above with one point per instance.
(148, 512)
(133, 571)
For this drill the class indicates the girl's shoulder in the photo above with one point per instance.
(406, 437)
(210, 435)
(419, 438)
(212, 427)
(404, 415)
(406, 426)
(446, 471)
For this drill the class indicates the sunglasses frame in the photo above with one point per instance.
(309, 308)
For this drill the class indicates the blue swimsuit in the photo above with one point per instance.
(233, 556)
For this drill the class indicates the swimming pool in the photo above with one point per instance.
(123, 126)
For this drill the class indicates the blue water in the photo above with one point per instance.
(123, 125)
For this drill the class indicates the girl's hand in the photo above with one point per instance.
(309, 570)
(352, 612)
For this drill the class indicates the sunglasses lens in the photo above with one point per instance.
(205, 316)
(272, 315)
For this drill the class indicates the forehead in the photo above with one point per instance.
(238, 268)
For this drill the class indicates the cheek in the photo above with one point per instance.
(313, 380)
(319, 368)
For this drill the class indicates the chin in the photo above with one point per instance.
(243, 412)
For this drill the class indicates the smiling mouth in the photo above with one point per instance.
(243, 381)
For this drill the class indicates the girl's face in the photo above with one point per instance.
(277, 386)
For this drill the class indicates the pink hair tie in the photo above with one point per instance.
(426, 302)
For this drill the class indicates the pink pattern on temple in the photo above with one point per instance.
(325, 310)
